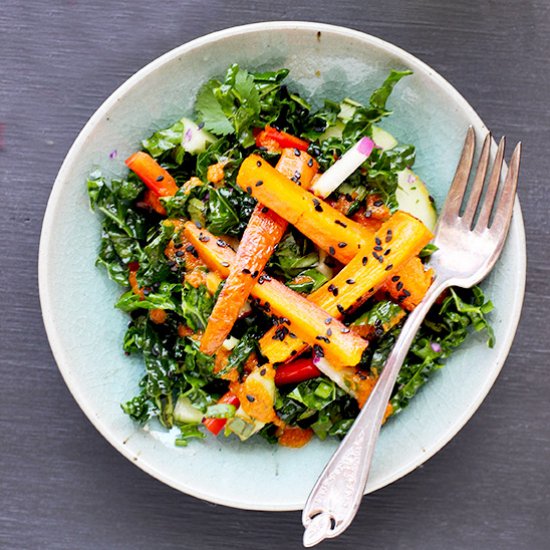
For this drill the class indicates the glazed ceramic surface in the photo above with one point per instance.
(85, 330)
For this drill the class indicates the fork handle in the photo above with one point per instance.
(335, 498)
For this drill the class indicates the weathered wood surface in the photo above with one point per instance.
(61, 484)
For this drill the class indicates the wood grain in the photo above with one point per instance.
(61, 485)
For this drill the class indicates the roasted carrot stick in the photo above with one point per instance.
(409, 286)
(152, 174)
(298, 318)
(264, 231)
(323, 224)
(396, 242)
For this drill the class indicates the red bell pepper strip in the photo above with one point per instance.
(297, 371)
(269, 135)
(216, 425)
(152, 174)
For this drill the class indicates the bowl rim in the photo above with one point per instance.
(47, 306)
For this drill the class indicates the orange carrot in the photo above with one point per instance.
(324, 225)
(152, 200)
(264, 231)
(298, 317)
(410, 285)
(152, 174)
(402, 235)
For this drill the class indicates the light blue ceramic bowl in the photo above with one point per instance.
(85, 331)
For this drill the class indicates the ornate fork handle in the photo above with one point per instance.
(336, 496)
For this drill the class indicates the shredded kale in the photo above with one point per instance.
(134, 240)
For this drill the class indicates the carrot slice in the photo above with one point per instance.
(264, 231)
(394, 244)
(152, 174)
(324, 225)
(151, 199)
(298, 318)
(410, 285)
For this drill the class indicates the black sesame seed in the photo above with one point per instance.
(350, 281)
(377, 241)
(378, 248)
(375, 255)
(395, 278)
(400, 298)
(371, 289)
(331, 250)
(297, 152)
(250, 398)
(180, 253)
(292, 335)
(388, 267)
(344, 330)
(338, 222)
(255, 274)
(342, 245)
(365, 260)
(318, 351)
(293, 353)
(246, 271)
(190, 248)
(178, 245)
(323, 339)
(406, 292)
(262, 372)
(265, 210)
(258, 163)
(387, 251)
(160, 178)
(378, 202)
(328, 320)
(259, 183)
(310, 162)
(340, 308)
(329, 332)
(389, 235)
(221, 243)
(204, 238)
(280, 333)
(399, 285)
(367, 214)
(248, 189)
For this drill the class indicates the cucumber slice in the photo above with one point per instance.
(193, 138)
(244, 426)
(413, 197)
(383, 139)
(186, 413)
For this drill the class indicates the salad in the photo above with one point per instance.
(269, 253)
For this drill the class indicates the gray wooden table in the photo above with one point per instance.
(61, 484)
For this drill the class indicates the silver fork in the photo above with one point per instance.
(467, 250)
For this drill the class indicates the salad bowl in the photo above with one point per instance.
(85, 330)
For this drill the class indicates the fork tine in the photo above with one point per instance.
(460, 181)
(505, 205)
(477, 186)
(492, 188)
